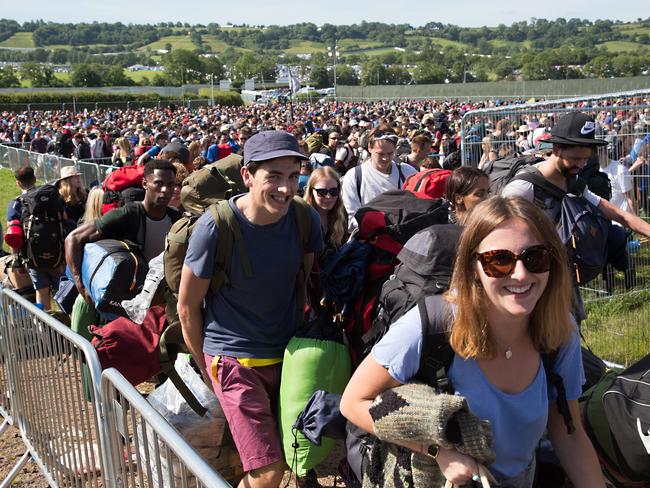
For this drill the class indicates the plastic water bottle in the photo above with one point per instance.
(633, 246)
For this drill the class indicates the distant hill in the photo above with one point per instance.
(535, 49)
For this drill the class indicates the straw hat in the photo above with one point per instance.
(68, 172)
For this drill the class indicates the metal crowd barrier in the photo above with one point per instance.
(145, 450)
(94, 432)
(47, 167)
(617, 303)
(59, 420)
(496, 128)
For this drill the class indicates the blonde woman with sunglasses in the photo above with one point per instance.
(509, 302)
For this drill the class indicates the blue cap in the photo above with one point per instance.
(271, 144)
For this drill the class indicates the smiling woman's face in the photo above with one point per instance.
(516, 294)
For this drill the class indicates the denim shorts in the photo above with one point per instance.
(45, 277)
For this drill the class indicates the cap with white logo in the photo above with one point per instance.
(575, 129)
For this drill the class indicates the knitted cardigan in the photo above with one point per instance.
(416, 413)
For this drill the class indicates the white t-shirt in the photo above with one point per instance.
(621, 181)
(373, 183)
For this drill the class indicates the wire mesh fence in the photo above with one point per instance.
(617, 302)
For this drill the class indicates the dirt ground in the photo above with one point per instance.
(11, 450)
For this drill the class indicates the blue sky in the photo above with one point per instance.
(466, 13)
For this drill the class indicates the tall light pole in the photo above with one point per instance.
(333, 52)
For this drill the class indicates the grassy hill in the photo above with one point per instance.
(23, 40)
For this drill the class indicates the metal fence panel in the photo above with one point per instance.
(146, 450)
(495, 128)
(617, 303)
(90, 173)
(59, 420)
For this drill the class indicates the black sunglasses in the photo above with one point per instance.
(380, 135)
(323, 192)
(500, 263)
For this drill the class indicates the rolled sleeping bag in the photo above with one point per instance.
(112, 271)
(309, 364)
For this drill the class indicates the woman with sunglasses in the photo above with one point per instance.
(509, 302)
(323, 193)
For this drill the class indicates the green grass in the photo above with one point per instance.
(356, 44)
(616, 328)
(8, 191)
(137, 76)
(19, 39)
(305, 47)
(633, 29)
(503, 43)
(217, 45)
(377, 51)
(177, 42)
(621, 46)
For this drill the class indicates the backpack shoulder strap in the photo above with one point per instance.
(302, 214)
(137, 219)
(437, 355)
(535, 177)
(554, 379)
(304, 222)
(358, 176)
(228, 235)
(400, 177)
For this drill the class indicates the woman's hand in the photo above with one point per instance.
(456, 467)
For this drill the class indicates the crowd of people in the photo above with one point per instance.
(511, 289)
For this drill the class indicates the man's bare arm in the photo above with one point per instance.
(191, 293)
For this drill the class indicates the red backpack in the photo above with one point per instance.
(428, 183)
(385, 224)
(127, 177)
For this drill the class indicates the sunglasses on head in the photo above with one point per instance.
(323, 192)
(500, 263)
(383, 136)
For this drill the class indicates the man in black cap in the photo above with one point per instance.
(574, 142)
(238, 341)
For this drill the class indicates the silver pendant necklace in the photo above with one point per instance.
(508, 353)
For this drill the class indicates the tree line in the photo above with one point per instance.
(535, 50)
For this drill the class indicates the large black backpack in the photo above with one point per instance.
(583, 228)
(616, 415)
(386, 223)
(425, 268)
(42, 219)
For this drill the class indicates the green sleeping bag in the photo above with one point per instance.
(309, 365)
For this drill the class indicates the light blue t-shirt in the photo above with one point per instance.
(252, 317)
(518, 420)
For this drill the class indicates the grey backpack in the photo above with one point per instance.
(426, 263)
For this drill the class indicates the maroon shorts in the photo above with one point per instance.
(249, 398)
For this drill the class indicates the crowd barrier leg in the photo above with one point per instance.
(145, 450)
(63, 432)
(7, 482)
(6, 395)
